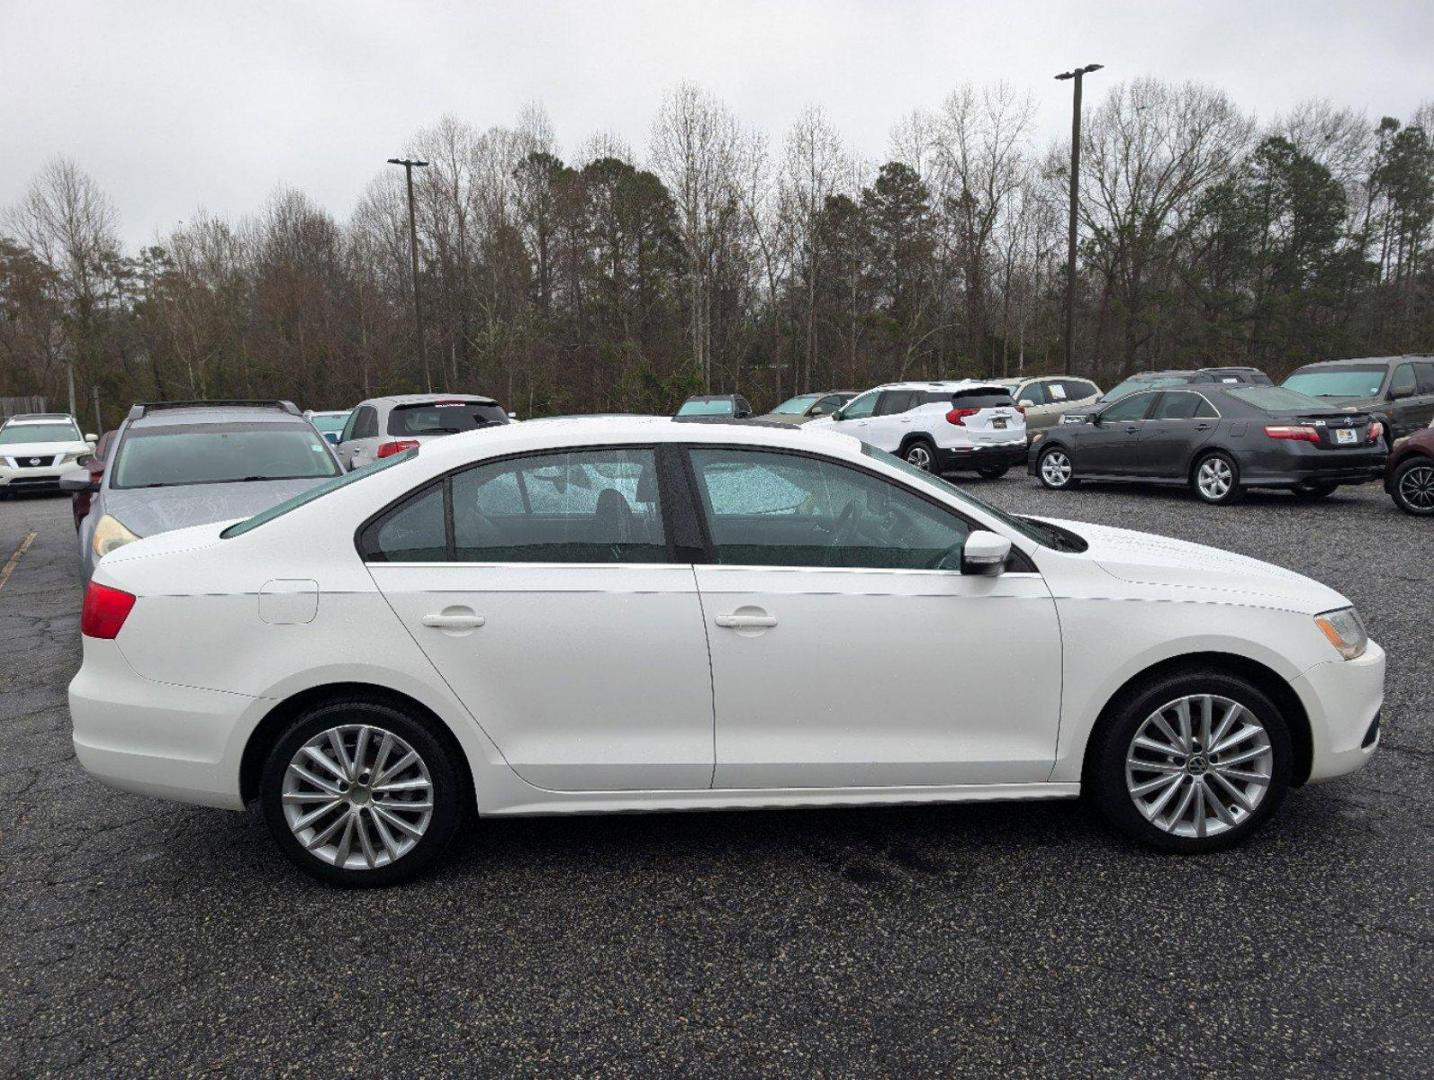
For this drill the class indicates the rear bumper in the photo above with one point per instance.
(1343, 698)
(1300, 463)
(981, 456)
(152, 738)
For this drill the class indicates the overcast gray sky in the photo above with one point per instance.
(173, 106)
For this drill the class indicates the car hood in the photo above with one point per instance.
(1147, 559)
(43, 449)
(146, 511)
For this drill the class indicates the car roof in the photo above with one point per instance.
(41, 418)
(556, 433)
(1352, 360)
(713, 397)
(425, 399)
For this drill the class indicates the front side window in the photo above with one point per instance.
(773, 509)
(174, 455)
(1403, 380)
(1128, 408)
(585, 506)
(860, 408)
(1035, 393)
(1425, 374)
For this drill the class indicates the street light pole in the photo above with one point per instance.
(408, 166)
(1075, 201)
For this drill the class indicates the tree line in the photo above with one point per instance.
(718, 261)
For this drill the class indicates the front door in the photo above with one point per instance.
(848, 650)
(554, 610)
(1109, 447)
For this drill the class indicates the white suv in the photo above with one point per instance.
(383, 426)
(35, 448)
(938, 426)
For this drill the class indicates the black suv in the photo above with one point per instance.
(1397, 389)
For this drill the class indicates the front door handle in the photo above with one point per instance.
(745, 622)
(442, 621)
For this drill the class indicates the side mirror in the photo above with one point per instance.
(512, 416)
(1026, 403)
(92, 439)
(985, 553)
(77, 481)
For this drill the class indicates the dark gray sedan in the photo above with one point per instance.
(176, 464)
(1219, 440)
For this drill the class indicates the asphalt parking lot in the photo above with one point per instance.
(147, 938)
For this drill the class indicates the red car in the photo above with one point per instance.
(1409, 475)
(80, 501)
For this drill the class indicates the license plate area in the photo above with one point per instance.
(999, 423)
(1345, 436)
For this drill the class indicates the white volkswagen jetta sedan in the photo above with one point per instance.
(593, 615)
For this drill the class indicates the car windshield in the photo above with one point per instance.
(1132, 385)
(1046, 535)
(444, 417)
(720, 407)
(797, 405)
(328, 423)
(16, 434)
(1356, 382)
(181, 455)
(1280, 399)
(241, 527)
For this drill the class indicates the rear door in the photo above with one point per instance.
(891, 421)
(1178, 424)
(1420, 407)
(546, 592)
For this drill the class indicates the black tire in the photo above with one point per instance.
(1049, 476)
(993, 472)
(1214, 493)
(920, 453)
(1105, 778)
(448, 795)
(1312, 490)
(1412, 486)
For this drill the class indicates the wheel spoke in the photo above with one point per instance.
(1235, 793)
(314, 815)
(1153, 766)
(1152, 812)
(1246, 732)
(336, 741)
(396, 786)
(360, 750)
(1239, 774)
(1240, 759)
(1182, 717)
(1169, 732)
(1231, 714)
(346, 841)
(1185, 800)
(319, 839)
(323, 785)
(318, 757)
(369, 855)
(1155, 785)
(403, 763)
(1215, 804)
(1199, 789)
(397, 822)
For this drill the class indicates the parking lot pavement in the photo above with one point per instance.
(142, 937)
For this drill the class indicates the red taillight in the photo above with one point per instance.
(388, 449)
(958, 416)
(1297, 432)
(105, 611)
(1376, 431)
(1021, 409)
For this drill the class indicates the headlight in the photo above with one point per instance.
(110, 534)
(1345, 631)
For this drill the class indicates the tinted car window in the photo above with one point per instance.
(172, 455)
(861, 406)
(443, 418)
(1425, 374)
(1129, 408)
(896, 401)
(366, 424)
(415, 531)
(984, 397)
(831, 403)
(1176, 405)
(589, 506)
(1077, 389)
(771, 509)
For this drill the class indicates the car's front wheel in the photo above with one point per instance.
(1056, 470)
(360, 793)
(1193, 762)
(1413, 486)
(1216, 479)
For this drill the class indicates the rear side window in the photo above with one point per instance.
(444, 417)
(1425, 373)
(1177, 405)
(896, 401)
(415, 531)
(365, 423)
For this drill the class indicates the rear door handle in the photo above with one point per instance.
(740, 622)
(454, 622)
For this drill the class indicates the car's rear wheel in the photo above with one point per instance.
(1056, 470)
(922, 454)
(359, 793)
(1413, 486)
(1216, 479)
(993, 472)
(1193, 762)
(1312, 490)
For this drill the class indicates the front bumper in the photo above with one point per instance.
(152, 738)
(980, 456)
(1343, 698)
(36, 477)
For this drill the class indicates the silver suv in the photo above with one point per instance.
(181, 463)
(383, 426)
(1046, 398)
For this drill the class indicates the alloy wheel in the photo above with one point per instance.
(1198, 766)
(1215, 478)
(1056, 469)
(919, 456)
(1416, 488)
(357, 797)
